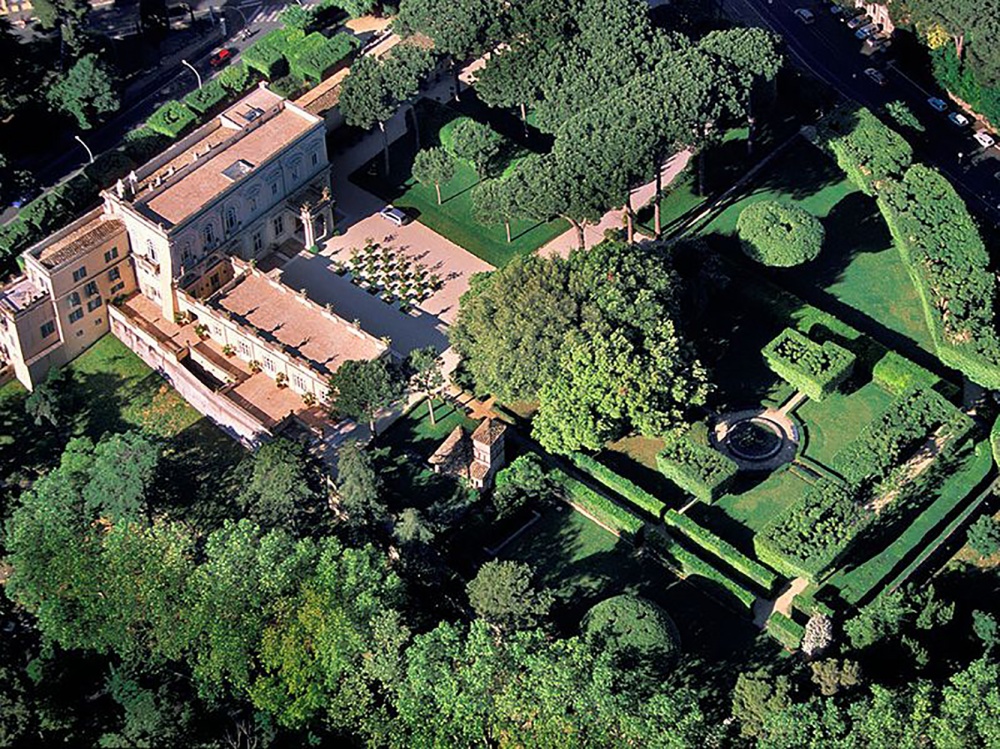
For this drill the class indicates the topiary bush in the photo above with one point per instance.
(815, 369)
(236, 78)
(700, 470)
(171, 119)
(896, 374)
(634, 494)
(614, 516)
(108, 167)
(206, 98)
(315, 57)
(635, 628)
(288, 86)
(779, 234)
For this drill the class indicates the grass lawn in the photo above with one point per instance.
(836, 420)
(414, 432)
(454, 218)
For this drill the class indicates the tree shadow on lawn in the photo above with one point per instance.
(799, 172)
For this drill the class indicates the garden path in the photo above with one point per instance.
(763, 608)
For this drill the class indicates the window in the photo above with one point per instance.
(114, 274)
(315, 159)
(253, 203)
(76, 315)
(94, 304)
(298, 382)
(274, 188)
(258, 242)
(215, 281)
(279, 225)
(208, 235)
(74, 299)
(110, 254)
(117, 287)
(231, 219)
(268, 364)
(295, 174)
(50, 327)
(79, 333)
(80, 273)
(151, 250)
(98, 321)
(244, 348)
(90, 289)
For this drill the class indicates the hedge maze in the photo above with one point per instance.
(817, 369)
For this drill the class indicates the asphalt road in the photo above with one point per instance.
(830, 51)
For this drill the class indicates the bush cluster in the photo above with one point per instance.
(869, 152)
(172, 119)
(315, 57)
(896, 374)
(817, 369)
(948, 262)
(206, 98)
(613, 515)
(700, 470)
(721, 548)
(46, 213)
(634, 494)
(691, 565)
(269, 54)
(779, 234)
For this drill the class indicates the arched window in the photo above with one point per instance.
(231, 219)
(151, 250)
(208, 235)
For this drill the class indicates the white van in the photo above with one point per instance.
(984, 139)
(393, 215)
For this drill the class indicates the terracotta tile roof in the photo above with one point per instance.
(488, 432)
(454, 451)
(80, 241)
(280, 315)
(478, 471)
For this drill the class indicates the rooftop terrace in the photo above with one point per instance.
(20, 294)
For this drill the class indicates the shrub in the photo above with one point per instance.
(45, 211)
(779, 235)
(171, 119)
(268, 55)
(634, 494)
(728, 553)
(866, 149)
(15, 236)
(691, 565)
(815, 369)
(608, 513)
(75, 195)
(109, 167)
(811, 535)
(288, 86)
(785, 630)
(143, 143)
(897, 374)
(634, 627)
(700, 470)
(948, 263)
(316, 56)
(236, 78)
(206, 98)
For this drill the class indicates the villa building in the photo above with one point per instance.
(475, 458)
(179, 263)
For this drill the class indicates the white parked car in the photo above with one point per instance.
(858, 21)
(938, 104)
(393, 215)
(958, 119)
(984, 139)
(805, 15)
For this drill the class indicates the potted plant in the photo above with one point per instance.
(201, 330)
(281, 380)
(255, 366)
(229, 350)
(309, 398)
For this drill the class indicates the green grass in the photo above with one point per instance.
(836, 420)
(413, 431)
(454, 218)
(858, 581)
(750, 506)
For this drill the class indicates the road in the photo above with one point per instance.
(830, 51)
(165, 83)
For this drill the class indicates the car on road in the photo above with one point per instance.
(858, 21)
(866, 31)
(805, 15)
(958, 119)
(25, 197)
(938, 104)
(836, 10)
(877, 75)
(394, 215)
(984, 139)
(877, 43)
(221, 57)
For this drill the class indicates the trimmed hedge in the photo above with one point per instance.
(811, 535)
(728, 553)
(143, 143)
(785, 630)
(779, 235)
(949, 266)
(691, 564)
(868, 151)
(268, 55)
(206, 98)
(612, 515)
(289, 86)
(995, 440)
(817, 369)
(634, 494)
(171, 119)
(315, 57)
(896, 374)
(700, 470)
(908, 421)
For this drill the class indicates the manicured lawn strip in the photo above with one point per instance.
(691, 565)
(784, 630)
(615, 517)
(754, 508)
(959, 484)
(839, 418)
(724, 550)
(619, 484)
